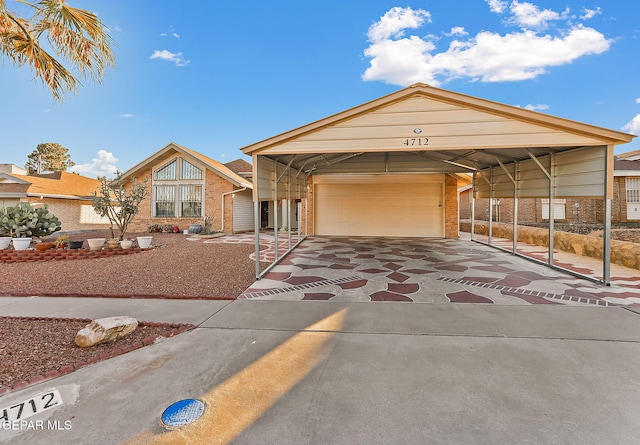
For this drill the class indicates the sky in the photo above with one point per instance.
(218, 76)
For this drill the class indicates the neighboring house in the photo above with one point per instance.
(625, 205)
(186, 186)
(627, 184)
(68, 195)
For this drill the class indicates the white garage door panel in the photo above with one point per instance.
(390, 209)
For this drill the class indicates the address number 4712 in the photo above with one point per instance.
(416, 141)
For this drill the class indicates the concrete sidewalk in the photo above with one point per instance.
(378, 373)
(145, 309)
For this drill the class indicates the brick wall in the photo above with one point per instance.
(530, 209)
(215, 186)
(450, 207)
(68, 212)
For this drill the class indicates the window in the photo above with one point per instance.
(165, 200)
(633, 189)
(191, 200)
(167, 172)
(178, 190)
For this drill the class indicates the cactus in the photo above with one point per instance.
(23, 221)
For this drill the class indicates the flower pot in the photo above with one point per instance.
(113, 243)
(195, 228)
(144, 241)
(96, 243)
(4, 242)
(126, 243)
(75, 244)
(45, 246)
(21, 243)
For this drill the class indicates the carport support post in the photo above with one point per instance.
(473, 206)
(516, 193)
(606, 236)
(275, 210)
(256, 212)
(552, 205)
(491, 206)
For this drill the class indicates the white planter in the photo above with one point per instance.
(21, 243)
(4, 242)
(96, 243)
(144, 241)
(126, 243)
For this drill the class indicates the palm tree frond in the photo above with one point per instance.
(76, 35)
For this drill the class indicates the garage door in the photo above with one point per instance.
(379, 205)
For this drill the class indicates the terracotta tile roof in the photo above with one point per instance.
(60, 184)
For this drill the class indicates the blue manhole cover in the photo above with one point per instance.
(182, 413)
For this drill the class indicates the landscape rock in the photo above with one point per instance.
(104, 330)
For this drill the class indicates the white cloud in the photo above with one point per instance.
(529, 16)
(103, 165)
(590, 13)
(170, 33)
(127, 115)
(538, 107)
(488, 56)
(638, 100)
(633, 126)
(497, 6)
(395, 21)
(169, 56)
(457, 31)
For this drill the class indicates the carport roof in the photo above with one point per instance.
(423, 128)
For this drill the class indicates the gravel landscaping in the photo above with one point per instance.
(34, 349)
(174, 268)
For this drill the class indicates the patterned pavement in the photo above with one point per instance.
(424, 270)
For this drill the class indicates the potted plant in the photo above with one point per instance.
(61, 242)
(23, 222)
(126, 243)
(5, 235)
(96, 243)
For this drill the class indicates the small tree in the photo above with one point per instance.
(49, 156)
(117, 203)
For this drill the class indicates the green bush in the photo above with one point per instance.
(23, 221)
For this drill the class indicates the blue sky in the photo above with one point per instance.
(216, 76)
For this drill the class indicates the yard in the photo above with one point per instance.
(175, 268)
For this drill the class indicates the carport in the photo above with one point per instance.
(391, 167)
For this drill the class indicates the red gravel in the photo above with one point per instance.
(32, 349)
(174, 268)
(37, 349)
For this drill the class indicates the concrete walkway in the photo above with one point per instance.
(318, 372)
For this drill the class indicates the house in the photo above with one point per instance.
(68, 195)
(627, 183)
(625, 205)
(186, 186)
(390, 167)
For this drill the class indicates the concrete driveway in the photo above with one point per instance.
(427, 271)
(516, 353)
(318, 372)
